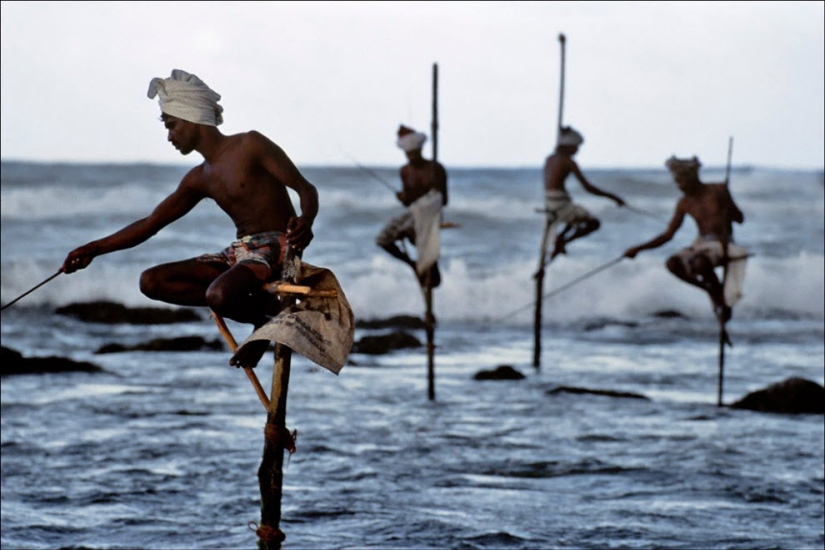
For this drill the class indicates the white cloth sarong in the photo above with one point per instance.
(714, 250)
(426, 212)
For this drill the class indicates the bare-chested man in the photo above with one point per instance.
(247, 176)
(558, 205)
(418, 177)
(713, 209)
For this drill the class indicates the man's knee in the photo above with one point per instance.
(593, 224)
(151, 283)
(675, 265)
(219, 299)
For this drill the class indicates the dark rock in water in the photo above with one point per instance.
(668, 314)
(377, 345)
(607, 393)
(791, 396)
(182, 343)
(13, 362)
(502, 372)
(399, 321)
(603, 323)
(114, 313)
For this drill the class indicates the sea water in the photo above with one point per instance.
(161, 450)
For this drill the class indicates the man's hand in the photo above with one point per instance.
(79, 258)
(631, 252)
(298, 233)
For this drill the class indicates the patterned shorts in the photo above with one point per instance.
(262, 252)
(398, 228)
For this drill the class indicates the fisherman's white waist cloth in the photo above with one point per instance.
(561, 208)
(712, 248)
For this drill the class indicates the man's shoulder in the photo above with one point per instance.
(194, 177)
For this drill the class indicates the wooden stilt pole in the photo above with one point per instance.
(723, 335)
(539, 296)
(233, 345)
(429, 318)
(276, 439)
(539, 276)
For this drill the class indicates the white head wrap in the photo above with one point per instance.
(187, 97)
(674, 164)
(409, 139)
(570, 137)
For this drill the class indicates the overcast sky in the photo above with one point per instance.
(331, 81)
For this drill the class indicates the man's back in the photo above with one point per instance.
(712, 209)
(556, 169)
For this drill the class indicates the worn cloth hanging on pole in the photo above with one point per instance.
(426, 213)
(735, 279)
(321, 328)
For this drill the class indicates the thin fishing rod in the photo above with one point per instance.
(568, 285)
(31, 290)
(561, 89)
(730, 153)
(370, 172)
(631, 208)
(642, 212)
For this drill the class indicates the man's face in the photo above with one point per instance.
(181, 133)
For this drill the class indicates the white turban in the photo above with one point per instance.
(187, 97)
(674, 164)
(570, 137)
(409, 139)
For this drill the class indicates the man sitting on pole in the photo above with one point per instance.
(424, 188)
(713, 209)
(558, 205)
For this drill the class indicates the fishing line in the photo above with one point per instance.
(370, 172)
(32, 290)
(567, 285)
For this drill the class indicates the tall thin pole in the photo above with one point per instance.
(539, 276)
(277, 439)
(429, 319)
(723, 337)
(561, 89)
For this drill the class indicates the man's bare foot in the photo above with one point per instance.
(249, 355)
(559, 249)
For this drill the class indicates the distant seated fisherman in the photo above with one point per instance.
(419, 177)
(247, 176)
(560, 209)
(713, 209)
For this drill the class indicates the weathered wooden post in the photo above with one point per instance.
(539, 275)
(429, 318)
(277, 439)
(723, 333)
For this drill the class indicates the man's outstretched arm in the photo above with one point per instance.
(172, 208)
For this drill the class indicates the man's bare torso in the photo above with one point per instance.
(240, 185)
(709, 208)
(418, 179)
(556, 169)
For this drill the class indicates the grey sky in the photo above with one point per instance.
(332, 80)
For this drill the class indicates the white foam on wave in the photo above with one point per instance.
(382, 287)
